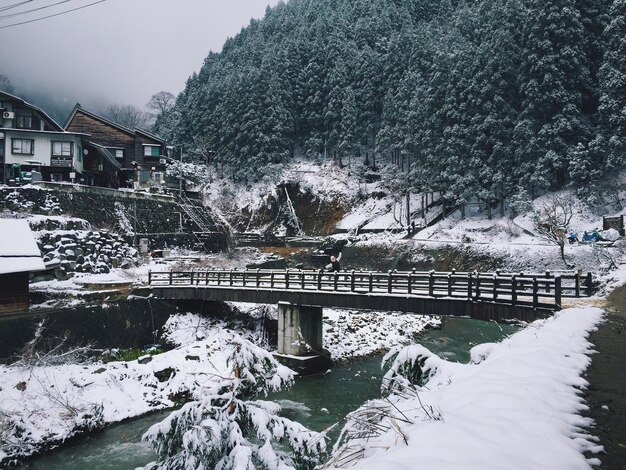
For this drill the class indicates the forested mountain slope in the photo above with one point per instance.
(494, 99)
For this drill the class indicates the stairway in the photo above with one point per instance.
(205, 230)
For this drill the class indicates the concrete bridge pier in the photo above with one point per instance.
(300, 334)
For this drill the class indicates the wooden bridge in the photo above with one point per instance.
(301, 295)
(373, 290)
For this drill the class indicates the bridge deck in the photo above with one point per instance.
(455, 293)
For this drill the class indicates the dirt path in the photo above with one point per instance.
(606, 395)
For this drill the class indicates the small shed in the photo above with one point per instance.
(19, 256)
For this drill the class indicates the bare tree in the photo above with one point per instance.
(161, 102)
(127, 115)
(552, 222)
(5, 84)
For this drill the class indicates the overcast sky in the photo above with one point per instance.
(118, 51)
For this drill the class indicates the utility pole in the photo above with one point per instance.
(180, 176)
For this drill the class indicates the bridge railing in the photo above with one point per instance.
(544, 290)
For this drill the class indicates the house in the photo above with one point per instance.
(33, 145)
(143, 156)
(19, 256)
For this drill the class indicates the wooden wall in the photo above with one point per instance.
(13, 292)
(105, 135)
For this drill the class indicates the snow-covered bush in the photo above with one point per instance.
(223, 431)
(408, 366)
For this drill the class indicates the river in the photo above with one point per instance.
(317, 402)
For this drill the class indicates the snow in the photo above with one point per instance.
(54, 401)
(518, 408)
(349, 333)
(18, 249)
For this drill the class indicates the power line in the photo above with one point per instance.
(8, 7)
(52, 16)
(11, 15)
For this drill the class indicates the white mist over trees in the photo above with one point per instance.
(496, 99)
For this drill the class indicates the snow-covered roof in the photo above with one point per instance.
(18, 249)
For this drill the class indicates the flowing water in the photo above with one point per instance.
(317, 402)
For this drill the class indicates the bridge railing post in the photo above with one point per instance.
(495, 287)
(371, 281)
(272, 279)
(287, 278)
(336, 280)
(258, 277)
(352, 281)
(477, 284)
(320, 273)
(244, 275)
(230, 278)
(577, 276)
(470, 288)
(450, 283)
(389, 281)
(548, 276)
(149, 277)
(535, 292)
(431, 283)
(409, 281)
(513, 290)
(557, 291)
(171, 274)
(302, 280)
(589, 286)
(206, 278)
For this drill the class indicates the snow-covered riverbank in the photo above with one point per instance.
(44, 403)
(516, 406)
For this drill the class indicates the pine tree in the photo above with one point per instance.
(223, 431)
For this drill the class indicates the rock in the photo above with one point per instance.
(21, 386)
(100, 370)
(189, 357)
(144, 359)
(165, 374)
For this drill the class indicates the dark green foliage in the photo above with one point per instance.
(127, 355)
(484, 99)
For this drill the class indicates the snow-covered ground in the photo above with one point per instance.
(47, 403)
(516, 406)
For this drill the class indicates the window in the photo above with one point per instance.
(22, 146)
(62, 149)
(24, 122)
(117, 153)
(152, 150)
(144, 176)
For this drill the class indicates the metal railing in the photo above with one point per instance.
(534, 290)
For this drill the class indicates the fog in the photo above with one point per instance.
(117, 51)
